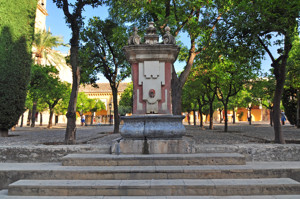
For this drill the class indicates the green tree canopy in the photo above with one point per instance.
(126, 100)
(257, 22)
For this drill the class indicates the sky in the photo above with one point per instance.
(56, 22)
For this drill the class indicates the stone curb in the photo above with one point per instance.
(256, 152)
(46, 153)
(252, 152)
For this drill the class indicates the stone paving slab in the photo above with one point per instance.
(254, 141)
(218, 187)
(239, 133)
(3, 195)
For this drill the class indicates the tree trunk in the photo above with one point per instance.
(28, 118)
(271, 116)
(92, 118)
(41, 118)
(3, 132)
(280, 75)
(70, 136)
(176, 94)
(298, 109)
(178, 83)
(50, 119)
(226, 118)
(33, 114)
(276, 113)
(116, 112)
(276, 108)
(233, 116)
(200, 112)
(211, 113)
(250, 116)
(201, 117)
(22, 120)
(221, 118)
(194, 112)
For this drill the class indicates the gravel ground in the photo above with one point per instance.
(239, 133)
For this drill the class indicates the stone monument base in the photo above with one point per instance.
(152, 126)
(153, 146)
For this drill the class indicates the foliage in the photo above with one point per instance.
(82, 103)
(123, 110)
(62, 106)
(126, 100)
(95, 105)
(43, 43)
(196, 18)
(16, 34)
(101, 51)
(289, 101)
(258, 22)
(291, 93)
(39, 79)
(262, 89)
(55, 91)
(45, 87)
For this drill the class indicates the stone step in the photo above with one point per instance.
(153, 159)
(176, 187)
(155, 197)
(11, 172)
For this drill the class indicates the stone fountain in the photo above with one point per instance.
(152, 128)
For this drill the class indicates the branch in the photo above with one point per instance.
(175, 10)
(180, 26)
(167, 5)
(266, 48)
(184, 75)
(66, 10)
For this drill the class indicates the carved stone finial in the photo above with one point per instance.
(135, 39)
(168, 38)
(151, 37)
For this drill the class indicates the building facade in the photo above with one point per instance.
(104, 93)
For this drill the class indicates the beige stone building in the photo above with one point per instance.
(41, 14)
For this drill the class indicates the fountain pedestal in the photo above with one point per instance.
(152, 128)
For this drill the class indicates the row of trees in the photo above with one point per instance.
(46, 91)
(228, 36)
(250, 25)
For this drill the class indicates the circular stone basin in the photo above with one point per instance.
(153, 126)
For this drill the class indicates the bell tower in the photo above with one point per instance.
(41, 14)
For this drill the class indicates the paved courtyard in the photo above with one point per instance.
(239, 133)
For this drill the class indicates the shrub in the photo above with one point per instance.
(16, 35)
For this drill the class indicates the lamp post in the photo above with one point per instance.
(110, 113)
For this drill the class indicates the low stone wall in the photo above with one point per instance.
(252, 152)
(256, 152)
(46, 153)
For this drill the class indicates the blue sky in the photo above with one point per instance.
(56, 22)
